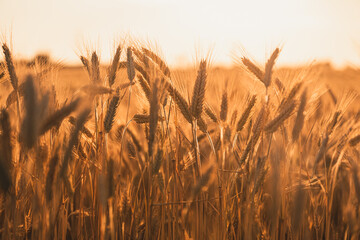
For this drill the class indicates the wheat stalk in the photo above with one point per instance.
(51, 175)
(114, 66)
(269, 67)
(224, 107)
(245, 115)
(180, 102)
(95, 69)
(111, 112)
(72, 141)
(142, 71)
(29, 127)
(130, 65)
(86, 64)
(58, 116)
(157, 161)
(299, 122)
(354, 141)
(274, 124)
(10, 67)
(141, 118)
(198, 96)
(154, 116)
(210, 113)
(145, 87)
(162, 65)
(253, 68)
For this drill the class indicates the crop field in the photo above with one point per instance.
(133, 149)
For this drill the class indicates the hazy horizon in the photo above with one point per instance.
(182, 31)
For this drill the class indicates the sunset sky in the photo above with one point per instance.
(306, 30)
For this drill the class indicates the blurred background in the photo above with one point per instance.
(307, 30)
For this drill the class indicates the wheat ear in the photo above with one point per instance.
(245, 115)
(95, 68)
(224, 106)
(299, 122)
(197, 100)
(110, 113)
(114, 66)
(10, 67)
(269, 67)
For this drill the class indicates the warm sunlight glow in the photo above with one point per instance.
(306, 30)
(179, 119)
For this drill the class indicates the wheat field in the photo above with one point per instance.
(136, 150)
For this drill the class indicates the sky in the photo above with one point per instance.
(185, 30)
